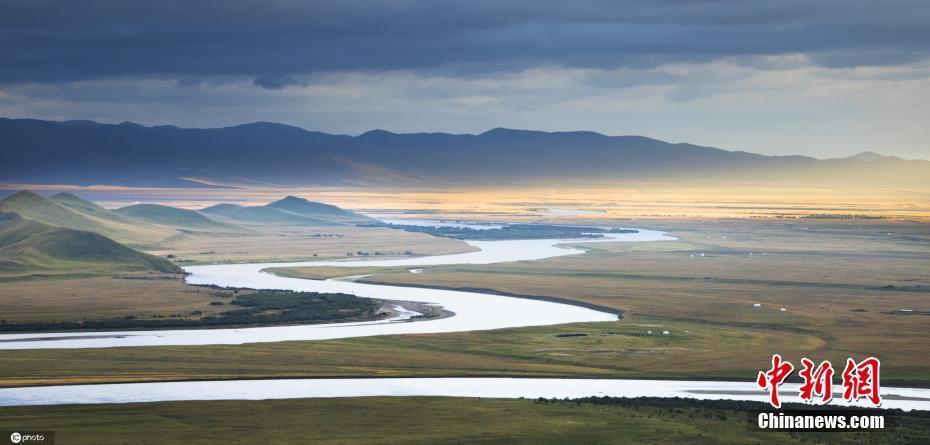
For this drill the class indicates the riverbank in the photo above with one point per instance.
(229, 308)
(310, 273)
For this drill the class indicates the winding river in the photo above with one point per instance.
(472, 311)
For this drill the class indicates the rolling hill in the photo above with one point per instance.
(88, 208)
(174, 217)
(318, 210)
(259, 215)
(84, 153)
(68, 211)
(288, 211)
(28, 246)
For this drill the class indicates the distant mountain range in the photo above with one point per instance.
(89, 153)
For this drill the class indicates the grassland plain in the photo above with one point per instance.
(90, 291)
(832, 279)
(843, 285)
(621, 349)
(76, 298)
(238, 308)
(431, 420)
(276, 244)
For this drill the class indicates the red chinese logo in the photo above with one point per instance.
(860, 380)
(774, 377)
(819, 381)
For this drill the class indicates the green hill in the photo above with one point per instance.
(29, 246)
(69, 211)
(288, 211)
(318, 210)
(172, 216)
(88, 208)
(262, 215)
(36, 207)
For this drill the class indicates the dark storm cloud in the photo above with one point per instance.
(276, 42)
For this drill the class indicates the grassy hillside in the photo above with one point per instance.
(172, 216)
(29, 247)
(318, 210)
(288, 211)
(36, 207)
(86, 207)
(69, 211)
(260, 215)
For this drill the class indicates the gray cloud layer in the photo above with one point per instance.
(276, 42)
(816, 77)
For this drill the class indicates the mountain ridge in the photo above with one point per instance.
(870, 155)
(271, 154)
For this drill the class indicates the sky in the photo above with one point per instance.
(822, 78)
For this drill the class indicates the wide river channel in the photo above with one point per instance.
(472, 311)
